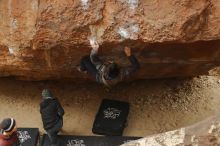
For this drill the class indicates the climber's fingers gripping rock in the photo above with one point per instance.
(94, 44)
(127, 51)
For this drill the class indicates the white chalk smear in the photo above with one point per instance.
(11, 50)
(123, 32)
(85, 4)
(131, 31)
(134, 28)
(133, 4)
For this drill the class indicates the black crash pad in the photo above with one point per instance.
(111, 118)
(28, 136)
(89, 140)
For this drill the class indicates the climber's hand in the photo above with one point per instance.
(127, 51)
(94, 44)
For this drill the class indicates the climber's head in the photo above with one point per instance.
(112, 71)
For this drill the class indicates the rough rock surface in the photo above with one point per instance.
(205, 133)
(45, 39)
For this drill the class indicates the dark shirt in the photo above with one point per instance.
(51, 112)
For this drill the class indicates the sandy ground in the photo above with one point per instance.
(156, 105)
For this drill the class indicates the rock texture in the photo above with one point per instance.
(45, 39)
(204, 133)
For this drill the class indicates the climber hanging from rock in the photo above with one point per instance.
(107, 73)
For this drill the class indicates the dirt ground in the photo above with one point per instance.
(156, 105)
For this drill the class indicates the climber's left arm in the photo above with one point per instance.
(128, 71)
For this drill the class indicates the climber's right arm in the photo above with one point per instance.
(94, 55)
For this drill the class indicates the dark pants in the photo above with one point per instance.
(86, 65)
(52, 133)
